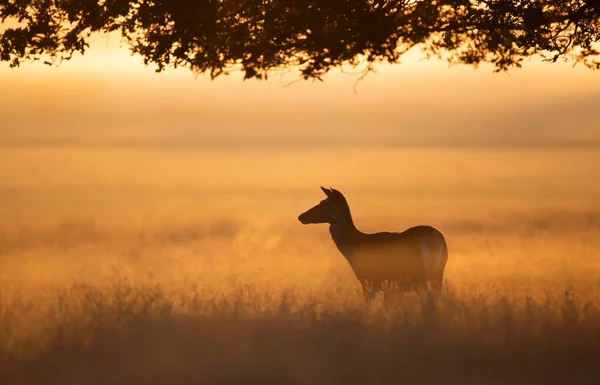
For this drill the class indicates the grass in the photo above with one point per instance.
(123, 333)
(229, 302)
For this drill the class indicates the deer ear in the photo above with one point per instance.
(327, 192)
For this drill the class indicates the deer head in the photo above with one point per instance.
(330, 210)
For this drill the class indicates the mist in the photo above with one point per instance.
(149, 229)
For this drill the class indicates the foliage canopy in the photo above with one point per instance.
(314, 36)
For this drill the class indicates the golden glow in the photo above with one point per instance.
(149, 222)
(108, 93)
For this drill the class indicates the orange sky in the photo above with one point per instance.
(107, 94)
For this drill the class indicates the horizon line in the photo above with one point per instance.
(302, 143)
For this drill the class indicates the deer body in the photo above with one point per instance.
(413, 259)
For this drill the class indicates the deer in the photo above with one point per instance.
(414, 259)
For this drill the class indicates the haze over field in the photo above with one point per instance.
(149, 228)
(108, 95)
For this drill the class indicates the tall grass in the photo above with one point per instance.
(125, 333)
(262, 300)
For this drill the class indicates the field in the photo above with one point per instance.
(219, 284)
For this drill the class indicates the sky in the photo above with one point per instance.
(109, 98)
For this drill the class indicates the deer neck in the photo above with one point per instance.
(345, 235)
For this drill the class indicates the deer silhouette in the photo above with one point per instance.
(413, 259)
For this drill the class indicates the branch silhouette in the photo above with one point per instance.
(261, 37)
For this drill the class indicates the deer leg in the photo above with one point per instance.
(436, 289)
(422, 290)
(427, 302)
